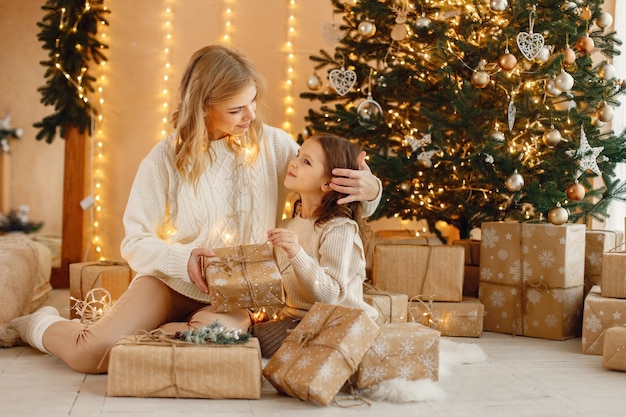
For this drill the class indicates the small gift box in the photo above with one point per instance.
(403, 350)
(461, 319)
(613, 274)
(600, 314)
(243, 277)
(392, 307)
(157, 365)
(471, 267)
(321, 353)
(434, 271)
(115, 277)
(614, 350)
(597, 242)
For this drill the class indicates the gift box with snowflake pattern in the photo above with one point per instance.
(392, 307)
(614, 350)
(600, 314)
(243, 277)
(597, 242)
(321, 353)
(613, 274)
(531, 278)
(460, 319)
(403, 350)
(471, 267)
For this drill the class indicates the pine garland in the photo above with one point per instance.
(213, 333)
(68, 32)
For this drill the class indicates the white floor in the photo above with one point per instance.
(522, 377)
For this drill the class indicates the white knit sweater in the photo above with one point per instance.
(329, 268)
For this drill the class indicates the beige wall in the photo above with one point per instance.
(132, 109)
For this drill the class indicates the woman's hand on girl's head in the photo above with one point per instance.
(359, 185)
(194, 268)
(284, 239)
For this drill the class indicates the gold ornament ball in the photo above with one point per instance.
(575, 192)
(585, 45)
(552, 137)
(569, 56)
(480, 79)
(507, 62)
(515, 182)
(558, 215)
(605, 113)
(314, 83)
(585, 13)
(367, 29)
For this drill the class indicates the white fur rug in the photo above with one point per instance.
(451, 354)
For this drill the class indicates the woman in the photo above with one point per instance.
(214, 182)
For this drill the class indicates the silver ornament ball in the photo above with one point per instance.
(496, 135)
(423, 22)
(605, 113)
(515, 182)
(498, 5)
(558, 215)
(367, 29)
(314, 83)
(552, 137)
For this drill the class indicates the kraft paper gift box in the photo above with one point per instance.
(531, 278)
(392, 307)
(434, 271)
(321, 353)
(597, 242)
(115, 277)
(141, 366)
(403, 350)
(614, 351)
(243, 277)
(613, 274)
(600, 314)
(471, 268)
(460, 319)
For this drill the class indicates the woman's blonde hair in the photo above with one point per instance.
(214, 75)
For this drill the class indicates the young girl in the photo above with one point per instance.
(320, 249)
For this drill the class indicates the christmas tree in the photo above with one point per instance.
(476, 110)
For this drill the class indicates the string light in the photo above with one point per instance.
(228, 22)
(290, 61)
(168, 27)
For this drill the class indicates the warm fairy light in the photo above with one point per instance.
(290, 62)
(228, 21)
(168, 28)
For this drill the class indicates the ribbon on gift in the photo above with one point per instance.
(103, 262)
(432, 321)
(374, 290)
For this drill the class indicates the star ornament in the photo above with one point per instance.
(589, 155)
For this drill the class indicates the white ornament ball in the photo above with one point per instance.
(551, 89)
(515, 182)
(496, 135)
(564, 81)
(552, 137)
(564, 105)
(606, 71)
(314, 83)
(569, 5)
(423, 22)
(558, 215)
(605, 113)
(543, 55)
(367, 29)
(604, 20)
(480, 79)
(498, 5)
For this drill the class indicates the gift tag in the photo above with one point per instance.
(342, 80)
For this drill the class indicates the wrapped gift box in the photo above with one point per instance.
(434, 271)
(397, 237)
(471, 268)
(597, 242)
(145, 367)
(531, 278)
(321, 353)
(614, 350)
(115, 277)
(403, 350)
(600, 314)
(392, 307)
(461, 319)
(243, 277)
(614, 274)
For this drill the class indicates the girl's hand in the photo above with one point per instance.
(194, 269)
(285, 239)
(360, 185)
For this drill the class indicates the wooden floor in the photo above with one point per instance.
(522, 377)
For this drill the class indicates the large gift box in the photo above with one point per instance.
(115, 277)
(142, 366)
(321, 353)
(614, 274)
(614, 351)
(403, 350)
(392, 307)
(243, 277)
(461, 319)
(599, 315)
(531, 278)
(597, 242)
(471, 266)
(434, 271)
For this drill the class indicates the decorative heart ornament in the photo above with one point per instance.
(332, 33)
(342, 80)
(529, 44)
